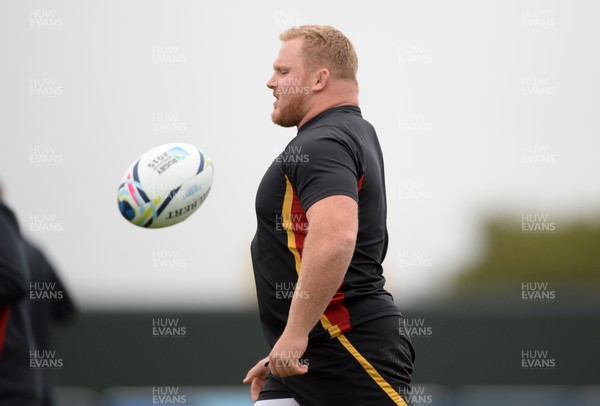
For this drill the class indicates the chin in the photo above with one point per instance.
(288, 117)
(283, 123)
(275, 117)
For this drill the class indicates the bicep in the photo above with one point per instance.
(334, 216)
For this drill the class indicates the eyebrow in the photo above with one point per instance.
(280, 67)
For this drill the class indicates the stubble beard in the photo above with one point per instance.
(291, 114)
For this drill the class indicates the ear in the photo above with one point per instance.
(322, 78)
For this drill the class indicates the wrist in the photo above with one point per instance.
(294, 333)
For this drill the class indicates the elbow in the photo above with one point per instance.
(343, 242)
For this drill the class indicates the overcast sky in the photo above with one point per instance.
(481, 108)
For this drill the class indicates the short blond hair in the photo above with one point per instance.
(325, 46)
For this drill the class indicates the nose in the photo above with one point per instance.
(271, 83)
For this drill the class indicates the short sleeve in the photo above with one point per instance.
(320, 164)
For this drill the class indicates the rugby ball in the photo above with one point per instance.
(165, 185)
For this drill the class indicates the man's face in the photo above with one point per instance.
(288, 84)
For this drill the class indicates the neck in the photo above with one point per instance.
(318, 108)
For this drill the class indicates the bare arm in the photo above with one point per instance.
(328, 249)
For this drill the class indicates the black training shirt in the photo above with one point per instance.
(334, 153)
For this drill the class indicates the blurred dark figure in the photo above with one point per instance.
(32, 300)
(54, 306)
(20, 385)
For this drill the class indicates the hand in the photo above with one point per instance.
(284, 359)
(257, 376)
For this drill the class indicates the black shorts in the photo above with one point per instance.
(369, 365)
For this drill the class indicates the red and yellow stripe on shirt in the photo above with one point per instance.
(336, 318)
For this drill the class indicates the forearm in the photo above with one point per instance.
(325, 260)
